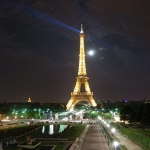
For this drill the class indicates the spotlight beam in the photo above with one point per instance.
(23, 8)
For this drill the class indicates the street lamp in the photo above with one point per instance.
(99, 118)
(113, 130)
(108, 125)
(115, 144)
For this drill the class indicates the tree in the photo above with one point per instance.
(146, 115)
(139, 112)
(93, 114)
(127, 114)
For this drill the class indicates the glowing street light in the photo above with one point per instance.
(99, 118)
(113, 130)
(70, 116)
(115, 144)
(108, 125)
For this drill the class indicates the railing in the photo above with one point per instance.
(109, 138)
(81, 93)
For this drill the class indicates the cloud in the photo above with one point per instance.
(102, 48)
(133, 59)
(101, 58)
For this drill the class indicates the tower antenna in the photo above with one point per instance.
(81, 29)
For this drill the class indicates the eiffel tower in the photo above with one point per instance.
(76, 95)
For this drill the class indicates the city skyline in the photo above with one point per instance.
(39, 49)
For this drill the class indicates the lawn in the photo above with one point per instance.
(143, 131)
(59, 146)
(73, 132)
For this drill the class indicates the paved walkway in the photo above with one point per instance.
(94, 139)
(124, 141)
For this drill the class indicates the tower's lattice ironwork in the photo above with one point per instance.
(76, 95)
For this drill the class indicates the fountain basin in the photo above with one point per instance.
(32, 145)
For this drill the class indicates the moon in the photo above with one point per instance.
(91, 52)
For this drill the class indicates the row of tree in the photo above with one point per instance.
(28, 110)
(136, 113)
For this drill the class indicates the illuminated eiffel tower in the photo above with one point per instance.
(76, 95)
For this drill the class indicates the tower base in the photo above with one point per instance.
(80, 96)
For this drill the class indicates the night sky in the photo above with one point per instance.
(39, 49)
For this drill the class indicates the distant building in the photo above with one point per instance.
(145, 100)
(29, 100)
